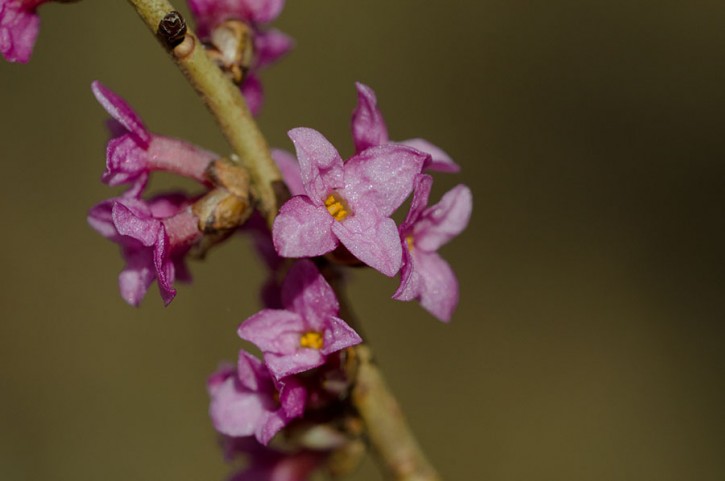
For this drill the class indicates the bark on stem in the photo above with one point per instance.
(227, 105)
(387, 429)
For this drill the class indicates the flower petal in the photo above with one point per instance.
(368, 126)
(270, 46)
(409, 288)
(235, 411)
(164, 268)
(273, 330)
(302, 229)
(19, 27)
(261, 11)
(137, 275)
(421, 191)
(371, 238)
(338, 335)
(290, 168)
(382, 175)
(320, 163)
(307, 293)
(133, 220)
(441, 222)
(253, 93)
(439, 287)
(126, 160)
(440, 161)
(303, 360)
(121, 111)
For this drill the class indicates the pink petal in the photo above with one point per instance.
(421, 191)
(261, 11)
(371, 238)
(409, 288)
(269, 425)
(302, 360)
(273, 330)
(320, 164)
(368, 126)
(137, 276)
(382, 175)
(126, 160)
(292, 397)
(270, 46)
(253, 93)
(290, 168)
(131, 221)
(338, 335)
(439, 287)
(440, 161)
(235, 411)
(164, 268)
(252, 374)
(441, 222)
(100, 218)
(303, 229)
(19, 27)
(121, 111)
(307, 293)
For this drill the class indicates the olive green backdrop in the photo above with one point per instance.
(588, 341)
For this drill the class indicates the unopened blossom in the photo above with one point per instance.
(215, 23)
(369, 130)
(301, 335)
(425, 275)
(134, 152)
(154, 237)
(247, 401)
(349, 203)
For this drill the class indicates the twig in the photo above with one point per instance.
(387, 429)
(225, 102)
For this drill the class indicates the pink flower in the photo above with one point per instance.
(369, 130)
(269, 45)
(247, 401)
(425, 275)
(154, 237)
(349, 203)
(134, 151)
(300, 336)
(19, 26)
(270, 464)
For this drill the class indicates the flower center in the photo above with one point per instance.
(336, 206)
(409, 241)
(312, 340)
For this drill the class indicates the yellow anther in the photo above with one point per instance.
(409, 241)
(336, 207)
(312, 340)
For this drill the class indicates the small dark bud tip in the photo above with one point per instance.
(172, 29)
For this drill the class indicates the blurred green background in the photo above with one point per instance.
(587, 344)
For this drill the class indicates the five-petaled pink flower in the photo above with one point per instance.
(154, 237)
(425, 275)
(369, 130)
(269, 45)
(348, 203)
(300, 336)
(248, 401)
(134, 152)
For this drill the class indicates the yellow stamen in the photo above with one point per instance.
(336, 207)
(312, 340)
(409, 241)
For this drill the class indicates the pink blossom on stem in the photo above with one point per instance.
(154, 238)
(19, 26)
(269, 45)
(369, 130)
(134, 152)
(247, 401)
(300, 336)
(425, 275)
(348, 203)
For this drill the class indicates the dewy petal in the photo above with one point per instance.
(121, 111)
(235, 411)
(421, 191)
(438, 285)
(320, 163)
(253, 93)
(307, 293)
(409, 287)
(273, 330)
(302, 229)
(270, 46)
(338, 335)
(290, 169)
(440, 161)
(441, 222)
(19, 27)
(371, 238)
(137, 276)
(382, 175)
(368, 126)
